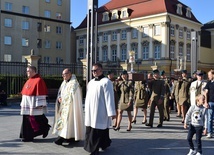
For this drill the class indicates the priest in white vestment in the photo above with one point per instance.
(99, 111)
(197, 87)
(68, 122)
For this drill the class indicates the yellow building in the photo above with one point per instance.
(41, 25)
(158, 31)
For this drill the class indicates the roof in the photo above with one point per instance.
(208, 25)
(140, 8)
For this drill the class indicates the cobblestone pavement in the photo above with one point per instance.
(141, 140)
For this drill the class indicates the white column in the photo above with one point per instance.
(118, 44)
(151, 52)
(185, 41)
(109, 46)
(100, 46)
(176, 41)
(77, 48)
(128, 30)
(164, 35)
(139, 48)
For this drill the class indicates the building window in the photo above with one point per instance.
(188, 12)
(157, 52)
(157, 30)
(105, 54)
(7, 22)
(179, 9)
(145, 32)
(81, 40)
(105, 37)
(114, 35)
(81, 54)
(58, 45)
(188, 34)
(47, 1)
(25, 25)
(145, 52)
(123, 53)
(25, 9)
(134, 48)
(47, 44)
(7, 57)
(59, 30)
(124, 13)
(47, 28)
(8, 6)
(59, 60)
(180, 33)
(39, 27)
(114, 15)
(188, 52)
(105, 16)
(172, 51)
(58, 15)
(172, 30)
(134, 33)
(114, 54)
(59, 2)
(7, 40)
(46, 59)
(123, 34)
(25, 42)
(180, 52)
(39, 43)
(47, 13)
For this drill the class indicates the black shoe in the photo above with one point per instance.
(159, 126)
(45, 134)
(117, 129)
(59, 141)
(144, 122)
(149, 125)
(134, 121)
(95, 153)
(129, 129)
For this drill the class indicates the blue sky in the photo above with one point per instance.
(202, 9)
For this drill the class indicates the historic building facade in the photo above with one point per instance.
(158, 31)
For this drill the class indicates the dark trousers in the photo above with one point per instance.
(166, 108)
(152, 112)
(198, 131)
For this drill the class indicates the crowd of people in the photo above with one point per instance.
(192, 99)
(108, 97)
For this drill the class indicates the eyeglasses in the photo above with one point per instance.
(95, 70)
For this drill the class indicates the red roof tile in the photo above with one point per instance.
(140, 8)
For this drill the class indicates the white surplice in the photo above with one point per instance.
(99, 104)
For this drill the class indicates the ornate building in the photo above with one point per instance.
(158, 31)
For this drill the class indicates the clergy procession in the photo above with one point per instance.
(108, 96)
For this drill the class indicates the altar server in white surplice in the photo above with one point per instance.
(99, 111)
(197, 87)
(68, 123)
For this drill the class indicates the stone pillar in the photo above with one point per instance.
(32, 59)
(151, 52)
